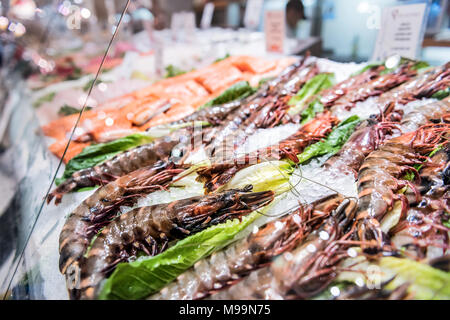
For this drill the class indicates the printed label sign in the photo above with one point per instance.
(274, 27)
(402, 31)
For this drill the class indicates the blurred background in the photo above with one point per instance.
(341, 30)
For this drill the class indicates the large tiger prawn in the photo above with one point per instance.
(149, 230)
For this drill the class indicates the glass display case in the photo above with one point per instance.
(141, 154)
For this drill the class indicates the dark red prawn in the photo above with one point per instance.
(440, 80)
(306, 277)
(118, 166)
(424, 228)
(97, 210)
(326, 97)
(228, 266)
(222, 171)
(435, 111)
(381, 176)
(355, 292)
(371, 133)
(423, 224)
(149, 229)
(422, 86)
(304, 271)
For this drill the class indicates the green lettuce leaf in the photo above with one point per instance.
(419, 65)
(333, 143)
(426, 282)
(368, 67)
(446, 223)
(45, 98)
(239, 90)
(309, 113)
(223, 58)
(141, 278)
(264, 81)
(90, 83)
(441, 94)
(312, 87)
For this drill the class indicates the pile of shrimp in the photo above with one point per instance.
(398, 160)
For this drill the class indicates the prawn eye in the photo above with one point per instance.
(96, 209)
(423, 203)
(115, 249)
(373, 119)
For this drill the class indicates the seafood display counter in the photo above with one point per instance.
(247, 178)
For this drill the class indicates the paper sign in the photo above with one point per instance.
(274, 27)
(176, 24)
(207, 15)
(182, 25)
(252, 14)
(402, 31)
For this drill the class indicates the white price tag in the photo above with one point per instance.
(274, 27)
(252, 14)
(208, 12)
(402, 31)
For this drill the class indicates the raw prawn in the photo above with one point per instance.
(149, 229)
(306, 270)
(375, 87)
(423, 226)
(381, 176)
(118, 166)
(82, 224)
(226, 267)
(222, 170)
